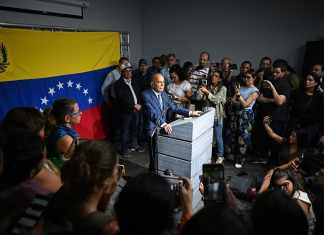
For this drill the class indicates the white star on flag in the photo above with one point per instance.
(85, 91)
(60, 85)
(44, 100)
(51, 91)
(70, 83)
(78, 86)
(90, 100)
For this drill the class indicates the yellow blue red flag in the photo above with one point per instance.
(38, 67)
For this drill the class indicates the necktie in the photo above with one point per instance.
(160, 101)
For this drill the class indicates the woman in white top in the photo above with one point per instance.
(179, 88)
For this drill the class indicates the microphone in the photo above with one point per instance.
(157, 124)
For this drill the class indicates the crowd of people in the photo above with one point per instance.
(51, 182)
(256, 110)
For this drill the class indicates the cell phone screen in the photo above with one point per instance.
(213, 172)
(213, 180)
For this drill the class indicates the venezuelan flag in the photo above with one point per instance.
(38, 67)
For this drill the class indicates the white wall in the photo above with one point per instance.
(242, 30)
(111, 15)
(278, 28)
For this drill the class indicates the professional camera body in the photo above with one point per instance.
(175, 183)
(198, 75)
(203, 82)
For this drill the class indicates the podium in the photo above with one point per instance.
(187, 148)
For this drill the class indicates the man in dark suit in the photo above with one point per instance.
(128, 100)
(155, 104)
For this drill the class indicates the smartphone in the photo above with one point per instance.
(233, 67)
(213, 180)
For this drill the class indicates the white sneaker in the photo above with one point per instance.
(238, 165)
(220, 160)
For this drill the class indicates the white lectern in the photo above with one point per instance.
(187, 148)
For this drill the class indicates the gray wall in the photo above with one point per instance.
(113, 15)
(239, 29)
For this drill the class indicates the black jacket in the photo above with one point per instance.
(124, 98)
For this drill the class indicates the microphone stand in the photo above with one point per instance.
(154, 138)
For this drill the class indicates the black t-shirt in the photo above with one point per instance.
(281, 113)
(306, 109)
(265, 109)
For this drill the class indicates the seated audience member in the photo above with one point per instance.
(275, 212)
(305, 115)
(89, 178)
(287, 182)
(179, 88)
(112, 77)
(26, 174)
(240, 119)
(214, 94)
(214, 220)
(62, 140)
(293, 154)
(289, 146)
(146, 205)
(18, 125)
(165, 71)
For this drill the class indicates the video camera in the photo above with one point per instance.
(175, 183)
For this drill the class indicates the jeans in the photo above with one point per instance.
(218, 136)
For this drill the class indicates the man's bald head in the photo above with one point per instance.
(157, 82)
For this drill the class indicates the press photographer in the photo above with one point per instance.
(213, 94)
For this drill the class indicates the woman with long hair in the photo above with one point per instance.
(89, 178)
(240, 119)
(215, 96)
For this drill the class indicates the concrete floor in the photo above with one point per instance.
(138, 163)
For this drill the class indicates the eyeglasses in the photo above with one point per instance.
(75, 113)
